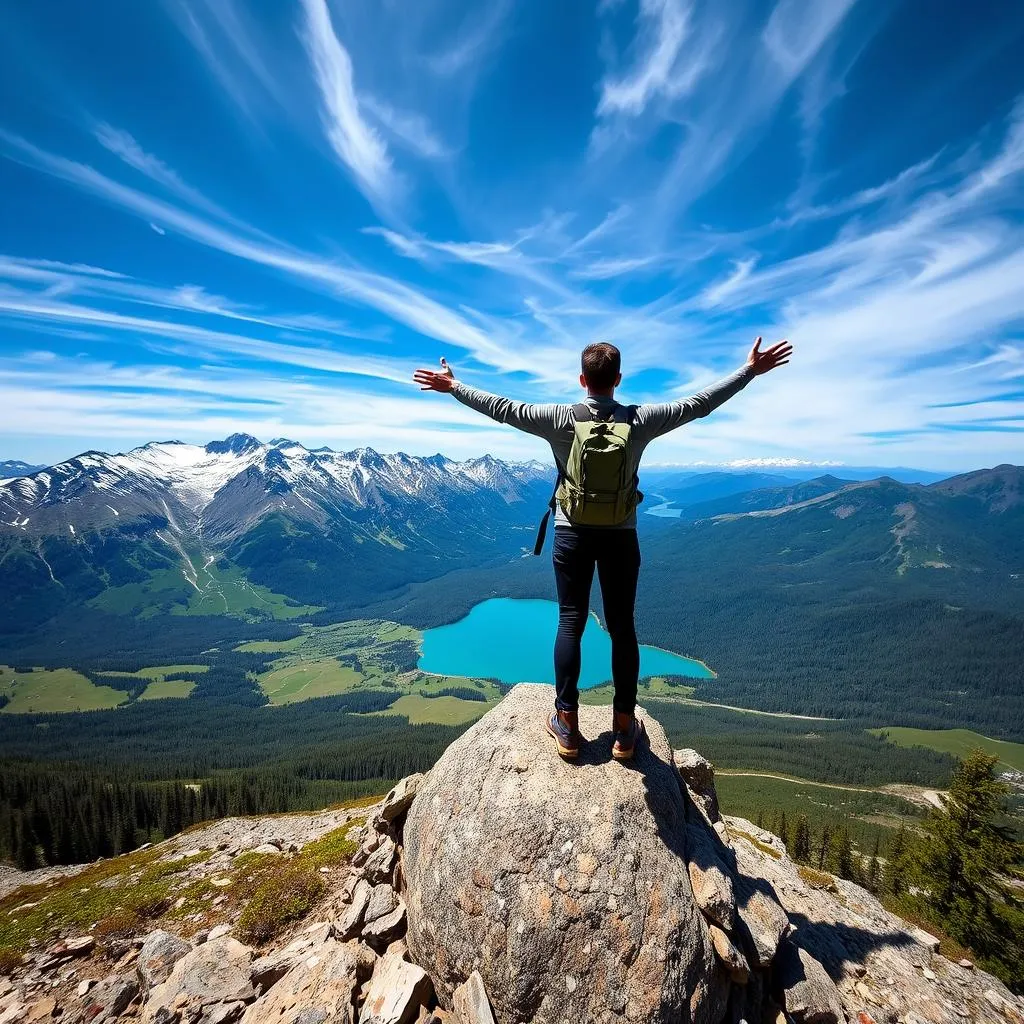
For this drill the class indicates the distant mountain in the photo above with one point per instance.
(758, 498)
(14, 467)
(321, 526)
(850, 598)
(970, 522)
(661, 477)
(701, 487)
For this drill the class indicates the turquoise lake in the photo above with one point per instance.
(512, 640)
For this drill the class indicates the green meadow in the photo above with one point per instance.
(54, 690)
(958, 742)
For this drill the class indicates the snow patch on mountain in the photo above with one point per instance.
(225, 486)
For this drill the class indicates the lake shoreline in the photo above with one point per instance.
(509, 639)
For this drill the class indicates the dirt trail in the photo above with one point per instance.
(920, 796)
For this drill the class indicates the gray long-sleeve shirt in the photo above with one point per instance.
(555, 422)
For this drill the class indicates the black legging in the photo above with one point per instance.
(616, 553)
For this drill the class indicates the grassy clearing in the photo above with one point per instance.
(281, 890)
(308, 680)
(369, 655)
(161, 689)
(59, 689)
(654, 686)
(160, 671)
(364, 654)
(865, 813)
(422, 710)
(272, 646)
(202, 587)
(958, 742)
(131, 894)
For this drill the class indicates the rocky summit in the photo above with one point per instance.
(565, 885)
(503, 887)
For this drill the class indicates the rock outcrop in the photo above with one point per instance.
(565, 886)
(507, 887)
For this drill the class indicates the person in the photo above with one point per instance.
(602, 536)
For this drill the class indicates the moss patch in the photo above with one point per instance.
(284, 896)
(135, 887)
(758, 845)
(817, 879)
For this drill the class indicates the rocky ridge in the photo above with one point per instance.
(484, 892)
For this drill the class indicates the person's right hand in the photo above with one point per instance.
(432, 380)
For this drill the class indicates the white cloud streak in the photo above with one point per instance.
(356, 142)
(663, 68)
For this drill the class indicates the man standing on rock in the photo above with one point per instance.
(597, 446)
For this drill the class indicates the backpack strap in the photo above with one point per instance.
(542, 530)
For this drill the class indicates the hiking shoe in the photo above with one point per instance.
(564, 728)
(626, 736)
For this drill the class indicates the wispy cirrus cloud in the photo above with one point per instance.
(124, 146)
(704, 177)
(408, 129)
(224, 36)
(356, 142)
(663, 66)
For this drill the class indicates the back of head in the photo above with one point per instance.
(601, 363)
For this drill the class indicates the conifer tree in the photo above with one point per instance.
(801, 840)
(826, 844)
(783, 831)
(872, 878)
(969, 852)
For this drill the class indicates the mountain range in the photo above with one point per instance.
(158, 527)
(314, 524)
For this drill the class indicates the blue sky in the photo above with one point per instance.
(219, 216)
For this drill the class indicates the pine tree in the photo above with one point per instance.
(873, 875)
(968, 852)
(823, 849)
(894, 878)
(840, 859)
(802, 840)
(783, 832)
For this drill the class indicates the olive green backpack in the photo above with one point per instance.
(599, 487)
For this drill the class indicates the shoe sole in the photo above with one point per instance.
(566, 752)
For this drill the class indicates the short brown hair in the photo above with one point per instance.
(601, 362)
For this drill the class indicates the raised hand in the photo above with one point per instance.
(777, 355)
(432, 380)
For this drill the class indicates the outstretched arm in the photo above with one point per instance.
(659, 419)
(542, 420)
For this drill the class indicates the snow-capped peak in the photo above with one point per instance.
(233, 482)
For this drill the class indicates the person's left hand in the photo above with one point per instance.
(431, 380)
(777, 355)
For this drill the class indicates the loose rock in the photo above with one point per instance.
(810, 994)
(698, 776)
(393, 809)
(710, 878)
(219, 971)
(732, 959)
(397, 991)
(159, 953)
(348, 924)
(471, 1003)
(386, 929)
(109, 998)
